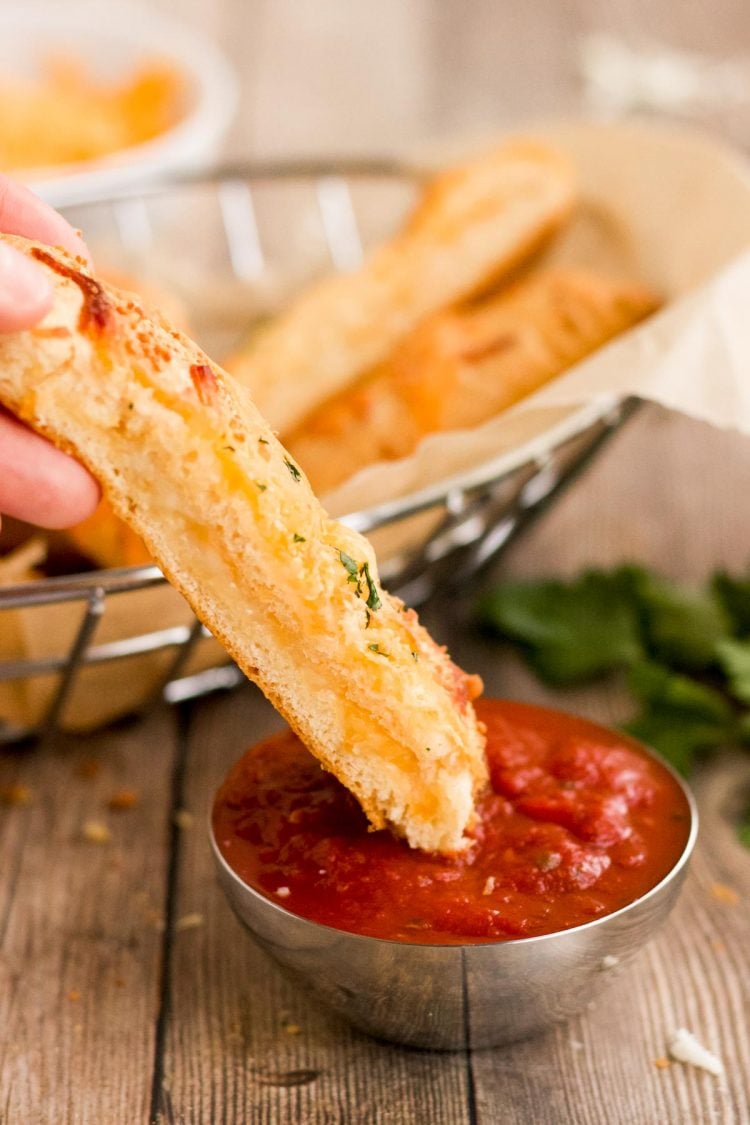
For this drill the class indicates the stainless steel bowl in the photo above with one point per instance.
(459, 996)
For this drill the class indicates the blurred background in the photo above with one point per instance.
(348, 76)
(334, 76)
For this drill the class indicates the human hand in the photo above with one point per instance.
(38, 483)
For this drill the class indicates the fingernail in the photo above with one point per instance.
(25, 292)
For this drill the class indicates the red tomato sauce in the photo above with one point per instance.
(578, 821)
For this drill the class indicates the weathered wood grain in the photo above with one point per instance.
(81, 927)
(242, 1045)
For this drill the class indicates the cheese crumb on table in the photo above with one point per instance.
(188, 922)
(725, 894)
(684, 1047)
(96, 832)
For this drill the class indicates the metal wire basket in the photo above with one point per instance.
(231, 243)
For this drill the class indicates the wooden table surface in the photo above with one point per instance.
(128, 991)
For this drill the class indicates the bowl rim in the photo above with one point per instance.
(211, 83)
(679, 866)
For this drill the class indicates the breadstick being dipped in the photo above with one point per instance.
(473, 224)
(464, 365)
(186, 459)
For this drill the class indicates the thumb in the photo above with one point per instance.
(25, 293)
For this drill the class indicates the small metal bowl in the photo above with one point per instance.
(456, 997)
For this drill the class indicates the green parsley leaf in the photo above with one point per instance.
(262, 441)
(682, 627)
(261, 487)
(743, 828)
(681, 718)
(658, 686)
(570, 631)
(293, 469)
(349, 564)
(734, 595)
(377, 649)
(734, 661)
(373, 598)
(299, 538)
(679, 739)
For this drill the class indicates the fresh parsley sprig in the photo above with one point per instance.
(685, 652)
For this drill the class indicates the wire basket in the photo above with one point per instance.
(232, 244)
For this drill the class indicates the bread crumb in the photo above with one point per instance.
(576, 1044)
(282, 892)
(74, 995)
(662, 1063)
(718, 946)
(725, 894)
(15, 794)
(292, 1028)
(123, 799)
(609, 962)
(182, 819)
(684, 1047)
(489, 886)
(96, 832)
(188, 922)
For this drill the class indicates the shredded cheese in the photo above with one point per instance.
(685, 1048)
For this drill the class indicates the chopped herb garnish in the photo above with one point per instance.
(299, 538)
(376, 648)
(293, 469)
(262, 487)
(373, 598)
(262, 441)
(230, 448)
(349, 564)
(368, 618)
(414, 656)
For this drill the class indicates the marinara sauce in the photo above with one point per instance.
(577, 822)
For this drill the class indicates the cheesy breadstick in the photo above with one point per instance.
(462, 366)
(186, 459)
(473, 224)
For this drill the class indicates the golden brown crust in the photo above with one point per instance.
(185, 457)
(463, 366)
(474, 223)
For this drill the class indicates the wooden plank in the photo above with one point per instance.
(81, 926)
(239, 1036)
(665, 493)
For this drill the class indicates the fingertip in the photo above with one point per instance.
(24, 213)
(38, 483)
(25, 292)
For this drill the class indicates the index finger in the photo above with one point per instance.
(22, 212)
